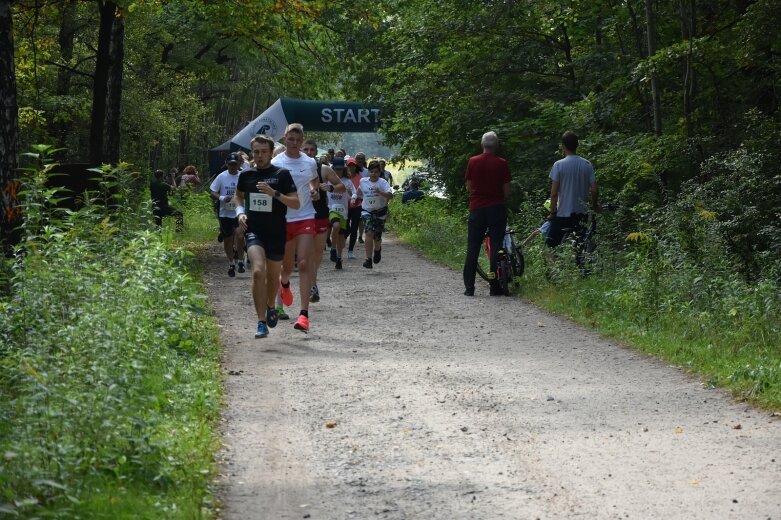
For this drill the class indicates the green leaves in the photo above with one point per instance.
(101, 359)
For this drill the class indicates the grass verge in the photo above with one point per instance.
(109, 374)
(721, 328)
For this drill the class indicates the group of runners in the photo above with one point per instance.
(285, 206)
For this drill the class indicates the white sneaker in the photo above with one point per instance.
(350, 255)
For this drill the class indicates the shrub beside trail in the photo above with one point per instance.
(109, 388)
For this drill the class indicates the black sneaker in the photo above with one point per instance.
(333, 254)
(241, 267)
(315, 296)
(377, 256)
(469, 292)
(338, 263)
(368, 263)
(360, 240)
(232, 271)
(220, 238)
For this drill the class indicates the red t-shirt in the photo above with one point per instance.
(487, 174)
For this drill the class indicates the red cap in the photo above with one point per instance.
(351, 160)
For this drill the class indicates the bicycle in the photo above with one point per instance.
(584, 243)
(510, 262)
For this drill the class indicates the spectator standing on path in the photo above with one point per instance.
(263, 195)
(329, 182)
(375, 192)
(573, 185)
(161, 208)
(223, 189)
(488, 183)
(301, 229)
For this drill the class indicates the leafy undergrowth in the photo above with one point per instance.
(110, 383)
(650, 295)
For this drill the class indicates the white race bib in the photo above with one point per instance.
(260, 202)
(372, 202)
(230, 205)
(340, 208)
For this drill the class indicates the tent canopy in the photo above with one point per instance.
(317, 116)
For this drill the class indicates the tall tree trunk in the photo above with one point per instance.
(655, 95)
(688, 28)
(100, 81)
(114, 101)
(10, 214)
(57, 128)
(638, 40)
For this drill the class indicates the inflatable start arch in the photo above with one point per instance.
(317, 116)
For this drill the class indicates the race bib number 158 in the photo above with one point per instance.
(260, 202)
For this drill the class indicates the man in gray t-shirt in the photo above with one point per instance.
(573, 186)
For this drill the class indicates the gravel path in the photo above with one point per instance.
(409, 400)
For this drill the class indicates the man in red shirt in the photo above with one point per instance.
(488, 183)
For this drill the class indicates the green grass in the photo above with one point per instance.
(723, 329)
(110, 378)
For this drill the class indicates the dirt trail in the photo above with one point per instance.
(443, 411)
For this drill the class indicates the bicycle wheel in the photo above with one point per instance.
(483, 260)
(482, 273)
(518, 262)
(504, 274)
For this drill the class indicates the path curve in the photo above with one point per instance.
(441, 411)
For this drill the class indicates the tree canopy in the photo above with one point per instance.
(670, 98)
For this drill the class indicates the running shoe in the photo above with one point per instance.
(220, 237)
(360, 240)
(286, 294)
(333, 254)
(241, 264)
(350, 255)
(315, 296)
(302, 323)
(368, 263)
(281, 314)
(338, 263)
(469, 291)
(272, 317)
(262, 331)
(232, 271)
(377, 256)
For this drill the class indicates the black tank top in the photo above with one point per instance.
(321, 204)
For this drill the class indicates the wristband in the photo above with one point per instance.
(277, 194)
(239, 211)
(331, 187)
(222, 198)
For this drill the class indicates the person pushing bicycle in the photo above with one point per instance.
(487, 180)
(573, 184)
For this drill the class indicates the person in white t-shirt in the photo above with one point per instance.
(223, 188)
(301, 229)
(375, 192)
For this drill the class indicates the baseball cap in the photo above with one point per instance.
(352, 160)
(337, 163)
(233, 158)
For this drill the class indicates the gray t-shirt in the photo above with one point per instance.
(575, 176)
